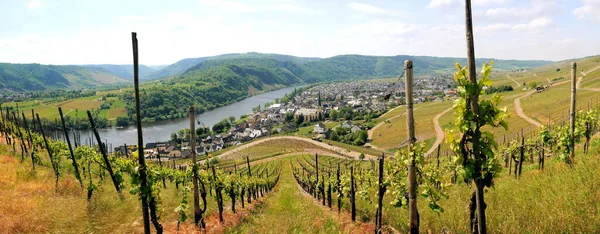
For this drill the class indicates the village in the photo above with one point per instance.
(306, 108)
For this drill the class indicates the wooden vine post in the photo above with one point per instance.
(339, 189)
(410, 122)
(145, 194)
(73, 160)
(104, 155)
(474, 104)
(21, 138)
(352, 195)
(380, 194)
(572, 113)
(521, 156)
(218, 188)
(30, 141)
(54, 165)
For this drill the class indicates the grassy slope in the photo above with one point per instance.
(392, 134)
(290, 211)
(554, 200)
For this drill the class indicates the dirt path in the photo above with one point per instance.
(510, 78)
(341, 151)
(439, 132)
(522, 114)
(583, 75)
(380, 124)
(520, 111)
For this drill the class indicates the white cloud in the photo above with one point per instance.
(442, 3)
(293, 8)
(370, 9)
(534, 26)
(541, 22)
(35, 4)
(492, 28)
(590, 9)
(229, 6)
(382, 29)
(490, 2)
(274, 6)
(536, 9)
(569, 40)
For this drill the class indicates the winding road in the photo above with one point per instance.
(372, 130)
(518, 85)
(583, 75)
(439, 132)
(522, 114)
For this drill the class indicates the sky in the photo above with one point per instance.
(99, 32)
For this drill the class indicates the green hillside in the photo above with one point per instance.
(338, 67)
(124, 70)
(208, 87)
(36, 77)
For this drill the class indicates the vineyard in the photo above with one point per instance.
(524, 161)
(72, 172)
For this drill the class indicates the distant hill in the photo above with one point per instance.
(37, 77)
(339, 67)
(210, 82)
(258, 70)
(183, 65)
(124, 70)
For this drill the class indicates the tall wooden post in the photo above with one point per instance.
(197, 212)
(105, 156)
(572, 112)
(410, 122)
(141, 160)
(352, 195)
(474, 104)
(30, 141)
(380, 194)
(73, 160)
(54, 165)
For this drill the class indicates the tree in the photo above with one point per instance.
(122, 121)
(289, 117)
(174, 137)
(231, 119)
(300, 119)
(221, 126)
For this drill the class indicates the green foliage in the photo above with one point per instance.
(429, 179)
(222, 126)
(461, 138)
(123, 121)
(558, 138)
(499, 89)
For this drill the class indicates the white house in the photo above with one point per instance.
(319, 128)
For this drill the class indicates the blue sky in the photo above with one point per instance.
(90, 32)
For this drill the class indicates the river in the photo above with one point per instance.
(161, 130)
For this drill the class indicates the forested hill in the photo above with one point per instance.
(36, 77)
(338, 67)
(357, 66)
(184, 65)
(218, 81)
(211, 85)
(124, 70)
